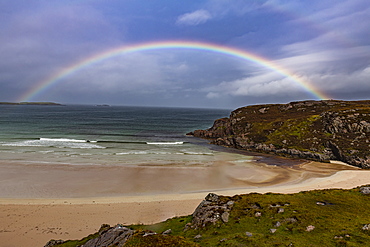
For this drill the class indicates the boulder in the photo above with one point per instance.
(113, 236)
(210, 210)
(310, 228)
(365, 190)
(53, 242)
(169, 231)
(366, 227)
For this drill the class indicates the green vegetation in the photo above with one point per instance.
(332, 217)
(158, 240)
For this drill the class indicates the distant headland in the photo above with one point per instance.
(30, 103)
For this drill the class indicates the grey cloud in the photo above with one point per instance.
(37, 42)
(221, 8)
(194, 18)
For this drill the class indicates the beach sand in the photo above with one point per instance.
(40, 202)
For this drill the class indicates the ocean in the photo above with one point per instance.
(108, 135)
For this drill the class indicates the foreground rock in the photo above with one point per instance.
(211, 210)
(107, 236)
(316, 130)
(110, 236)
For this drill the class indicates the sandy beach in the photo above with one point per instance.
(70, 202)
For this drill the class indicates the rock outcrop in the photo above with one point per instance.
(212, 209)
(110, 236)
(316, 130)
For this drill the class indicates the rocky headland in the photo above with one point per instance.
(315, 130)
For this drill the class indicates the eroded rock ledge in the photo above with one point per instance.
(316, 130)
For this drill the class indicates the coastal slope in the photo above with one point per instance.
(309, 218)
(316, 130)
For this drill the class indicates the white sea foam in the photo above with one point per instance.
(58, 143)
(165, 143)
(143, 153)
(31, 143)
(196, 153)
(242, 161)
(64, 140)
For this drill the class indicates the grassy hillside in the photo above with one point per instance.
(312, 218)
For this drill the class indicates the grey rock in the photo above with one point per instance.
(211, 197)
(198, 236)
(113, 236)
(225, 217)
(310, 228)
(53, 242)
(255, 206)
(149, 234)
(365, 190)
(210, 211)
(290, 220)
(263, 110)
(249, 234)
(281, 210)
(169, 231)
(273, 230)
(366, 227)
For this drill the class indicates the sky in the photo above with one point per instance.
(323, 43)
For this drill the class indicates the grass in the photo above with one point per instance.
(337, 223)
(337, 216)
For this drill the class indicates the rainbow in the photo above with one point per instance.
(44, 85)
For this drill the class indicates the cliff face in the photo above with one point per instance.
(317, 130)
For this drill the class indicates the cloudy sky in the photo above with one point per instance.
(325, 43)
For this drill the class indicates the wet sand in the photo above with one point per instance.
(40, 202)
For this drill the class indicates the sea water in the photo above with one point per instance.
(106, 135)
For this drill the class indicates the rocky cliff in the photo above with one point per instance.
(317, 130)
